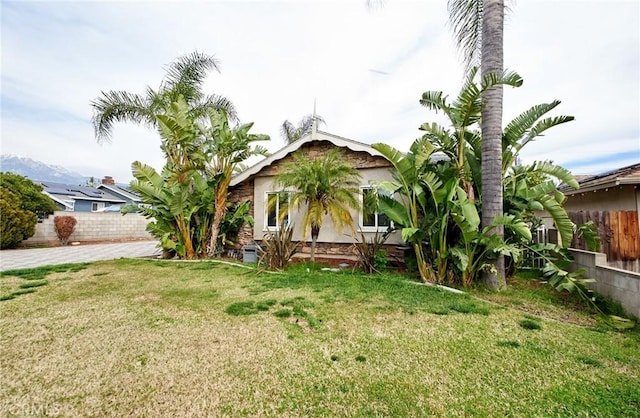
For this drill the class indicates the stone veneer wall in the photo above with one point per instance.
(94, 226)
(358, 159)
(241, 193)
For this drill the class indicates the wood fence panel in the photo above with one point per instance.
(618, 231)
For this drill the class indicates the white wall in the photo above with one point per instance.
(328, 232)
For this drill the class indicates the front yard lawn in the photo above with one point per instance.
(150, 338)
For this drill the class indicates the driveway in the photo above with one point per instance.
(37, 257)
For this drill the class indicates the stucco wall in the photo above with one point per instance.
(614, 199)
(94, 226)
(328, 233)
(620, 285)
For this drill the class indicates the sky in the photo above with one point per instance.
(364, 67)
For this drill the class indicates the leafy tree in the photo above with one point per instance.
(225, 148)
(16, 224)
(184, 79)
(291, 133)
(29, 193)
(326, 185)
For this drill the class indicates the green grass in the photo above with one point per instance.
(151, 338)
(10, 289)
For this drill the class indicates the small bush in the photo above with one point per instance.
(64, 226)
(278, 249)
(371, 256)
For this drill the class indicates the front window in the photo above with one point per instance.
(277, 211)
(95, 206)
(371, 219)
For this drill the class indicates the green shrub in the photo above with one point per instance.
(277, 249)
(16, 224)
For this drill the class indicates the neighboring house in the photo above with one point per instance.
(257, 185)
(119, 190)
(73, 198)
(612, 201)
(611, 191)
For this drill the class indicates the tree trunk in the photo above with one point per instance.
(492, 62)
(221, 210)
(315, 231)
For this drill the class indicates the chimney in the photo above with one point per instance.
(108, 180)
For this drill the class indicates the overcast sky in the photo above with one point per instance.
(366, 69)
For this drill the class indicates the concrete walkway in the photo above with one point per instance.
(36, 257)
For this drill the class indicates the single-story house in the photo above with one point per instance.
(611, 191)
(256, 184)
(73, 198)
(119, 190)
(612, 201)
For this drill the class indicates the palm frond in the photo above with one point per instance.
(186, 74)
(465, 21)
(118, 106)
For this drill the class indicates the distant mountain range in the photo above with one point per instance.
(39, 171)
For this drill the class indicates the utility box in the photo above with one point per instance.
(250, 254)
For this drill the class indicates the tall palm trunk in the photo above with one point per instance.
(221, 210)
(492, 62)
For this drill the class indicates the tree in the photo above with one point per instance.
(30, 194)
(226, 147)
(326, 185)
(16, 224)
(291, 133)
(479, 25)
(22, 203)
(184, 78)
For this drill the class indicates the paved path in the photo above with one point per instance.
(36, 257)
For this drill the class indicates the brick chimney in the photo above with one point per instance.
(108, 180)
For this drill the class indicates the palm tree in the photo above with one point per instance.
(184, 78)
(226, 148)
(478, 26)
(327, 185)
(291, 133)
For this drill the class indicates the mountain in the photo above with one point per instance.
(39, 171)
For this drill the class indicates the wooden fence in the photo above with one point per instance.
(618, 230)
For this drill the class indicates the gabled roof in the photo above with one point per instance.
(621, 176)
(294, 146)
(121, 190)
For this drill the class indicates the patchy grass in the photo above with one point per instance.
(12, 285)
(151, 338)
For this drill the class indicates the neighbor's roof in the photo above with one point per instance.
(122, 190)
(313, 136)
(618, 177)
(61, 192)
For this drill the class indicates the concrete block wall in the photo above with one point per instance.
(620, 285)
(94, 226)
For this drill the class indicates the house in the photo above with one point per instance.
(73, 198)
(121, 191)
(614, 190)
(257, 185)
(612, 201)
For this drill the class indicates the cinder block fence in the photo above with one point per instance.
(94, 226)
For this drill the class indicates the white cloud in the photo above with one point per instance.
(278, 56)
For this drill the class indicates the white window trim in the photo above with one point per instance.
(99, 205)
(266, 227)
(363, 228)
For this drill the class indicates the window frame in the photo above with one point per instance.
(279, 224)
(371, 228)
(99, 205)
